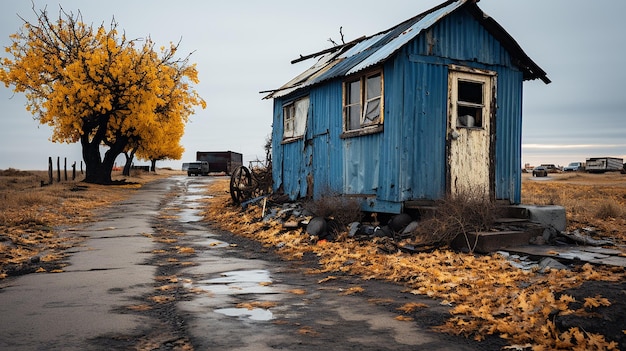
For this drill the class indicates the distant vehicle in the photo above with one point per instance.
(574, 167)
(550, 168)
(221, 161)
(604, 164)
(540, 171)
(198, 168)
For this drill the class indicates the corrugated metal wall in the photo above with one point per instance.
(408, 160)
(509, 136)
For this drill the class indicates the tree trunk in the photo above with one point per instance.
(93, 162)
(130, 156)
(153, 165)
(98, 171)
(127, 164)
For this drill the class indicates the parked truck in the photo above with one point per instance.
(604, 164)
(198, 168)
(221, 161)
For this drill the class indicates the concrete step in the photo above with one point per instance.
(491, 241)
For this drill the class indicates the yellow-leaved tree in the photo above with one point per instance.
(96, 87)
(159, 143)
(162, 140)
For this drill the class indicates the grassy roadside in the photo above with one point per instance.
(37, 223)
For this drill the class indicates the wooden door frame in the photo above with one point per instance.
(452, 69)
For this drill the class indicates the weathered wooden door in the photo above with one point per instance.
(471, 97)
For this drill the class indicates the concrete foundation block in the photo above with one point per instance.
(550, 216)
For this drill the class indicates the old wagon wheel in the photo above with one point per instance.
(241, 185)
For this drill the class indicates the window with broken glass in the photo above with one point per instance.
(362, 103)
(470, 103)
(295, 115)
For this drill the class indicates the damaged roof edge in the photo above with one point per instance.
(421, 22)
(531, 69)
(362, 38)
(298, 82)
(389, 44)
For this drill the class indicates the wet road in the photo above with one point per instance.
(231, 297)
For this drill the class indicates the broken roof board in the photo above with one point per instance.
(379, 47)
(366, 53)
(400, 39)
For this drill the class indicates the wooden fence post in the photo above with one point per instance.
(50, 170)
(58, 169)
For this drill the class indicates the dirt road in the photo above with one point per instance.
(153, 275)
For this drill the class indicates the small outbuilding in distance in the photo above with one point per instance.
(221, 161)
(429, 107)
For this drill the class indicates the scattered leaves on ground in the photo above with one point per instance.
(488, 296)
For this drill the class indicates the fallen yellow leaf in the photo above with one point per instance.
(403, 318)
(297, 291)
(352, 290)
(411, 306)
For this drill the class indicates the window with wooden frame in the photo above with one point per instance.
(470, 101)
(295, 115)
(363, 102)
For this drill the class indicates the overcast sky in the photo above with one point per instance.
(244, 47)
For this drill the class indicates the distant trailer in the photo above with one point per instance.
(221, 161)
(604, 164)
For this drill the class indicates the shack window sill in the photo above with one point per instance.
(470, 128)
(291, 140)
(362, 132)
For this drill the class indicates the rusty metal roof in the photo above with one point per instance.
(365, 52)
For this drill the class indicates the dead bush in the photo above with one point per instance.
(459, 214)
(343, 209)
(12, 172)
(608, 209)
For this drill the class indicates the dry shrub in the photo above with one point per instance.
(458, 214)
(608, 209)
(343, 209)
(12, 172)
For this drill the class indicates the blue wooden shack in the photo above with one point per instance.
(429, 107)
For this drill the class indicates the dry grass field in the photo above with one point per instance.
(590, 200)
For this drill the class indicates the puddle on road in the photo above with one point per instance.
(189, 215)
(192, 188)
(193, 198)
(213, 243)
(255, 314)
(256, 276)
(239, 282)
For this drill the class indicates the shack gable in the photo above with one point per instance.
(377, 118)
